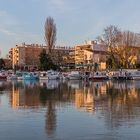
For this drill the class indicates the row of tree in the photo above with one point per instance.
(123, 51)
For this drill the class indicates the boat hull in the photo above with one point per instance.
(74, 78)
(3, 77)
(98, 78)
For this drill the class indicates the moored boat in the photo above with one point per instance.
(12, 77)
(30, 76)
(53, 75)
(3, 76)
(121, 75)
(19, 75)
(134, 74)
(74, 75)
(98, 75)
(43, 75)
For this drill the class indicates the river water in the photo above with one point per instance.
(69, 110)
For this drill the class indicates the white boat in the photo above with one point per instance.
(98, 75)
(43, 75)
(134, 74)
(12, 77)
(114, 74)
(74, 75)
(53, 75)
(30, 76)
(19, 75)
(121, 75)
(63, 75)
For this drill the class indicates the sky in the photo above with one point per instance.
(76, 20)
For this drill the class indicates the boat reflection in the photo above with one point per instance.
(50, 84)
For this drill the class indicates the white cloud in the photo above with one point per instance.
(7, 32)
(58, 3)
(7, 19)
(19, 36)
(59, 6)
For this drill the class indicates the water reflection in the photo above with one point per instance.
(87, 96)
(116, 102)
(122, 103)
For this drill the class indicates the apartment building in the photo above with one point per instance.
(89, 54)
(62, 55)
(27, 55)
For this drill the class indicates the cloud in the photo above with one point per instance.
(20, 36)
(58, 3)
(7, 20)
(59, 6)
(7, 32)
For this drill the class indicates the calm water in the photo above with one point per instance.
(70, 110)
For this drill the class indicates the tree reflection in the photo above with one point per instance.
(123, 100)
(52, 98)
(50, 118)
(5, 86)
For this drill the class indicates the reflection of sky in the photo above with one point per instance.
(21, 124)
(4, 100)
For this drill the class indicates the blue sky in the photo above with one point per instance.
(76, 20)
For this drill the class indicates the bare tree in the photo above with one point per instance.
(128, 50)
(111, 36)
(122, 46)
(111, 39)
(50, 33)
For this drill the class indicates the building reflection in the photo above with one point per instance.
(24, 95)
(114, 101)
(17, 96)
(86, 97)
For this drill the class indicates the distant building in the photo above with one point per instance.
(27, 55)
(62, 55)
(89, 54)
